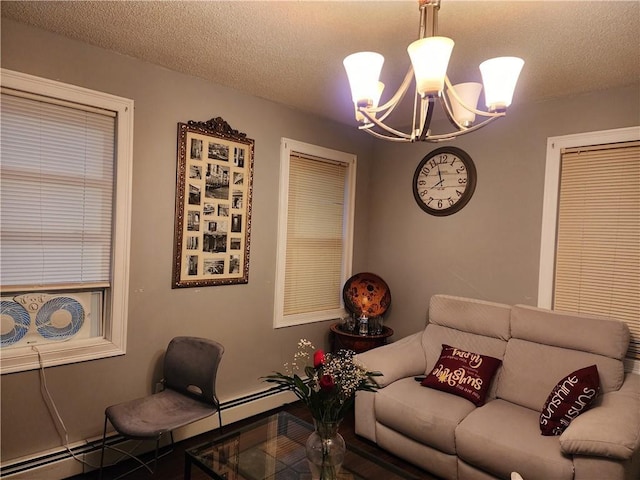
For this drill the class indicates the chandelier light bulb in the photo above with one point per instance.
(430, 59)
(375, 101)
(469, 93)
(499, 76)
(363, 70)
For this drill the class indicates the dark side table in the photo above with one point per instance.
(357, 343)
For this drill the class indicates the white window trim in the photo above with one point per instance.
(287, 146)
(550, 203)
(114, 340)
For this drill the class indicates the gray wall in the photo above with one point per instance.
(239, 316)
(487, 250)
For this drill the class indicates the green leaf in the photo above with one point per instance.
(309, 371)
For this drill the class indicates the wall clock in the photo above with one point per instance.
(444, 181)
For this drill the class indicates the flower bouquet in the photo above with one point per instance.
(328, 389)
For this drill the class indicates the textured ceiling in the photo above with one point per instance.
(291, 52)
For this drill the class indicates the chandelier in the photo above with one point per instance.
(429, 60)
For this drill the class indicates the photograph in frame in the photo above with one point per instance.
(214, 188)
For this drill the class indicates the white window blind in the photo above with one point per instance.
(57, 184)
(597, 268)
(65, 207)
(315, 235)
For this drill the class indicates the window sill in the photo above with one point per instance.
(27, 358)
(312, 317)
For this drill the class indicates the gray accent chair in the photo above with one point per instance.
(189, 394)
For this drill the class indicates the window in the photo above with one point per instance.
(65, 190)
(590, 254)
(315, 232)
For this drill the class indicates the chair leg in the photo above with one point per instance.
(135, 458)
(132, 456)
(146, 465)
(155, 458)
(157, 455)
(104, 439)
(219, 414)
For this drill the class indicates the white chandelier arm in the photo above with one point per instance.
(376, 122)
(403, 137)
(415, 119)
(385, 137)
(449, 136)
(396, 99)
(471, 109)
(425, 116)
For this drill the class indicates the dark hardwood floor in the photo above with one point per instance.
(170, 467)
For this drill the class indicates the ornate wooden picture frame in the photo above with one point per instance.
(214, 187)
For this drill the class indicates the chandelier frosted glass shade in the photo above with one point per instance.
(469, 94)
(429, 57)
(363, 70)
(500, 76)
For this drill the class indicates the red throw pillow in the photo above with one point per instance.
(572, 395)
(463, 373)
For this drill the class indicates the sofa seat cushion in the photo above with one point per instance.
(501, 437)
(425, 415)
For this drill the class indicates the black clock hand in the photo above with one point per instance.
(440, 177)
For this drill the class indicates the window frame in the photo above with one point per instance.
(113, 340)
(287, 147)
(551, 198)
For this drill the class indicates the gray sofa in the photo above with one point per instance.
(450, 437)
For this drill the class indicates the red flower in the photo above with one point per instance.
(326, 383)
(318, 359)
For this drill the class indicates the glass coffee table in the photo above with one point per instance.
(273, 449)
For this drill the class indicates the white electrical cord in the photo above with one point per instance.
(53, 411)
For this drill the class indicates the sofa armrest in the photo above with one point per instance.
(611, 428)
(404, 358)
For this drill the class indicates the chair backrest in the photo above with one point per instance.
(191, 366)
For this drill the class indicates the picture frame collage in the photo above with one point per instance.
(214, 187)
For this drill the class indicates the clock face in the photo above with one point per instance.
(444, 181)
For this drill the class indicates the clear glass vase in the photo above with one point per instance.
(325, 451)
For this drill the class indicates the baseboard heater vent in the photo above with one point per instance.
(43, 460)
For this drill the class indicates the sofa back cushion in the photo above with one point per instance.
(547, 345)
(470, 315)
(467, 324)
(602, 336)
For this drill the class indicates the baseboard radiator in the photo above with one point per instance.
(60, 463)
